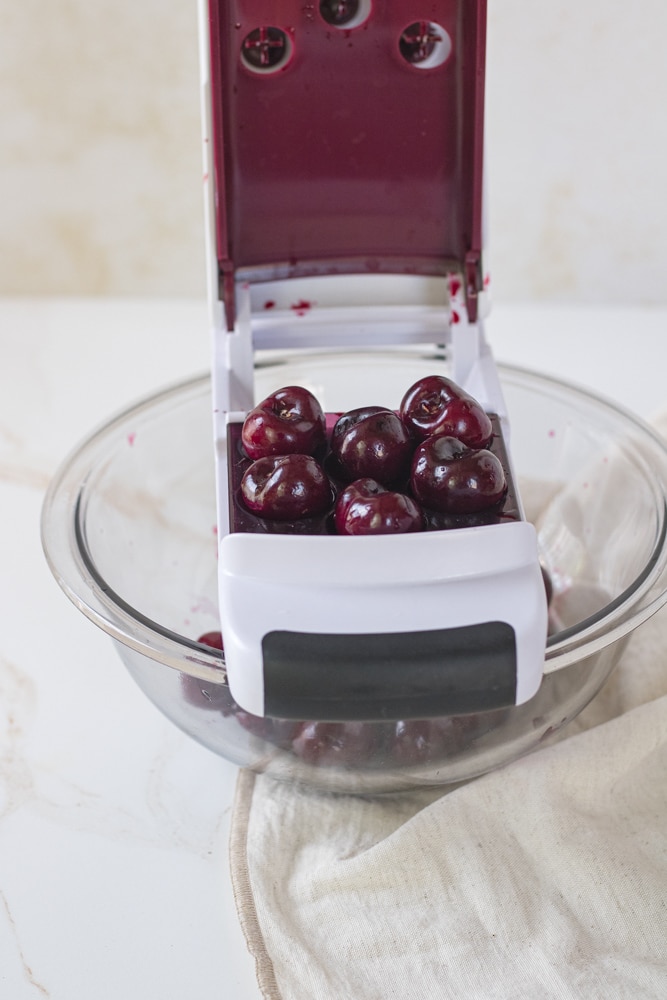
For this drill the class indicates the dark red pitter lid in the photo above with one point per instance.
(348, 138)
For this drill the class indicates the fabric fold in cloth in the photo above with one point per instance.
(545, 879)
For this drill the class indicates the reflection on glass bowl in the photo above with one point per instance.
(129, 531)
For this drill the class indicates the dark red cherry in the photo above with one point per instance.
(372, 442)
(289, 421)
(367, 508)
(453, 479)
(436, 405)
(212, 639)
(286, 487)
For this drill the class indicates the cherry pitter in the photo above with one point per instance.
(344, 148)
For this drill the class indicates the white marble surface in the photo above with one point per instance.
(113, 825)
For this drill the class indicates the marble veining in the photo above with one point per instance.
(28, 973)
(18, 698)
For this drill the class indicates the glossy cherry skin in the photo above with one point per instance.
(372, 442)
(448, 477)
(212, 639)
(367, 508)
(436, 405)
(286, 487)
(290, 421)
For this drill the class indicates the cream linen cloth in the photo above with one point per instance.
(545, 880)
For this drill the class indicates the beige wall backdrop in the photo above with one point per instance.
(100, 169)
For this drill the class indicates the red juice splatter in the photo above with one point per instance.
(455, 317)
(269, 304)
(131, 438)
(301, 307)
(454, 286)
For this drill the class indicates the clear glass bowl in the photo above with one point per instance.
(129, 531)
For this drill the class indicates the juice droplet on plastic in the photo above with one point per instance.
(301, 307)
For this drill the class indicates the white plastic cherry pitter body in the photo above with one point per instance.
(354, 228)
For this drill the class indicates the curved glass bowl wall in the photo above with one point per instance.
(129, 531)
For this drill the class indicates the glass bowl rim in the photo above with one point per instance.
(63, 541)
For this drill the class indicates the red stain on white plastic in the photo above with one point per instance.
(551, 434)
(454, 286)
(455, 318)
(269, 304)
(131, 438)
(204, 606)
(302, 307)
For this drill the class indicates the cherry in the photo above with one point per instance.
(372, 441)
(367, 508)
(451, 478)
(436, 405)
(286, 487)
(212, 639)
(290, 421)
(327, 744)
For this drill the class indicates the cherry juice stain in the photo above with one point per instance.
(131, 438)
(269, 304)
(302, 307)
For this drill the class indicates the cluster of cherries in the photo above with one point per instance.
(368, 471)
(343, 744)
(378, 471)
